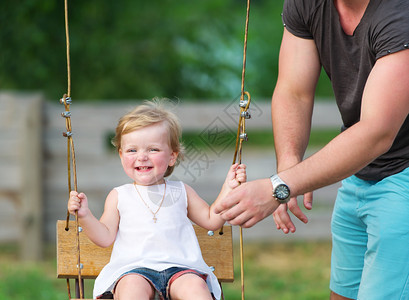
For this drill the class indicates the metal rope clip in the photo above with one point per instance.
(243, 136)
(243, 103)
(67, 134)
(66, 100)
(66, 114)
(245, 114)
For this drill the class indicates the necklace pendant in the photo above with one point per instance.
(147, 206)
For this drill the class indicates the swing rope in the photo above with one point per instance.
(66, 101)
(241, 133)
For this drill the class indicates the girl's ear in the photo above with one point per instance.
(173, 158)
(120, 154)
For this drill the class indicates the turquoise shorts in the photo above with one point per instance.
(370, 237)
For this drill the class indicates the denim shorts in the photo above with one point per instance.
(370, 237)
(162, 280)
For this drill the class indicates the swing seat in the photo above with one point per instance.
(217, 251)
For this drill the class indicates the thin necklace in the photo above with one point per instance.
(147, 206)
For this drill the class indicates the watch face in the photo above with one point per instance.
(282, 192)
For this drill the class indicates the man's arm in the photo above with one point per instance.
(291, 111)
(385, 106)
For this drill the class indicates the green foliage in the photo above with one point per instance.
(261, 138)
(141, 49)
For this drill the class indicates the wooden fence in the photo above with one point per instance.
(33, 163)
(21, 150)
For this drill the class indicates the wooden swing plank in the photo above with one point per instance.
(93, 258)
(217, 251)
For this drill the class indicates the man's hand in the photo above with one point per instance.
(282, 218)
(248, 204)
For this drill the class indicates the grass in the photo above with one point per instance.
(273, 271)
(22, 281)
(282, 271)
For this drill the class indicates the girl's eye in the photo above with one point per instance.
(154, 150)
(131, 150)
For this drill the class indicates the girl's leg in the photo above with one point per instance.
(187, 286)
(132, 287)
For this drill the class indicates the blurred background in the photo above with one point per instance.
(123, 52)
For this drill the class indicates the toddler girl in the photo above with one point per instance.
(155, 252)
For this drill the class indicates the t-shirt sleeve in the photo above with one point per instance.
(391, 33)
(295, 18)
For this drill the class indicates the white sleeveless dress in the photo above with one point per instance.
(140, 242)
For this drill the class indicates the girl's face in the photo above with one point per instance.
(146, 154)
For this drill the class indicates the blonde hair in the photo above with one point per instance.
(149, 113)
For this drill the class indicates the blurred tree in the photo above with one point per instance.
(141, 49)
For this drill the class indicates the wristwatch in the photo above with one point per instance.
(281, 191)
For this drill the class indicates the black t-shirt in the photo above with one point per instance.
(348, 60)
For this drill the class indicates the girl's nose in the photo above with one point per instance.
(142, 156)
